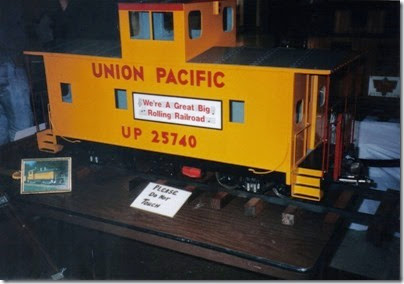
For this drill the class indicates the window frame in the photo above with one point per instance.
(299, 111)
(148, 36)
(189, 25)
(321, 96)
(153, 30)
(116, 92)
(63, 97)
(225, 16)
(231, 112)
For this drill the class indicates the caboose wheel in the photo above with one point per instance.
(228, 181)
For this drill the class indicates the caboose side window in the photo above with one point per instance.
(321, 96)
(228, 19)
(66, 92)
(237, 111)
(121, 99)
(299, 111)
(194, 24)
(139, 25)
(163, 26)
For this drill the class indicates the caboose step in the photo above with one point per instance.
(307, 180)
(306, 192)
(47, 142)
(306, 184)
(309, 172)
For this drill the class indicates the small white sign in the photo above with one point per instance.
(161, 199)
(382, 86)
(176, 110)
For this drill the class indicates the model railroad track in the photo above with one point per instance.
(347, 208)
(328, 205)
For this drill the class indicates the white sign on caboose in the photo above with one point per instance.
(177, 110)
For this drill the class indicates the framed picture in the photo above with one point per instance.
(46, 175)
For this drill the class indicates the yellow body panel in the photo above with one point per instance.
(92, 115)
(152, 50)
(211, 23)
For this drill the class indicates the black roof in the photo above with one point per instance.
(319, 59)
(162, 1)
(103, 48)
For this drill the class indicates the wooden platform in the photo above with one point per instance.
(100, 200)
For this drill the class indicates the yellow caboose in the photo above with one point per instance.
(179, 84)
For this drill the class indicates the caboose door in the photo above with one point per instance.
(308, 124)
(301, 122)
(310, 114)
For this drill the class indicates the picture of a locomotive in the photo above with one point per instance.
(45, 176)
(179, 84)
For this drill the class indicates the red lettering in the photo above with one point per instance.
(126, 72)
(200, 76)
(183, 141)
(109, 71)
(126, 133)
(138, 73)
(192, 77)
(180, 74)
(161, 73)
(172, 138)
(174, 135)
(147, 102)
(97, 73)
(192, 141)
(209, 79)
(171, 78)
(155, 137)
(117, 71)
(136, 132)
(216, 79)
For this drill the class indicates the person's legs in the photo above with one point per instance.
(16, 101)
(4, 136)
(3, 126)
(15, 106)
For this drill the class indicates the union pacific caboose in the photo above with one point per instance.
(179, 84)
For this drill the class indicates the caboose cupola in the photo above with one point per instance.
(175, 31)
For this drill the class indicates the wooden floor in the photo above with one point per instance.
(100, 200)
